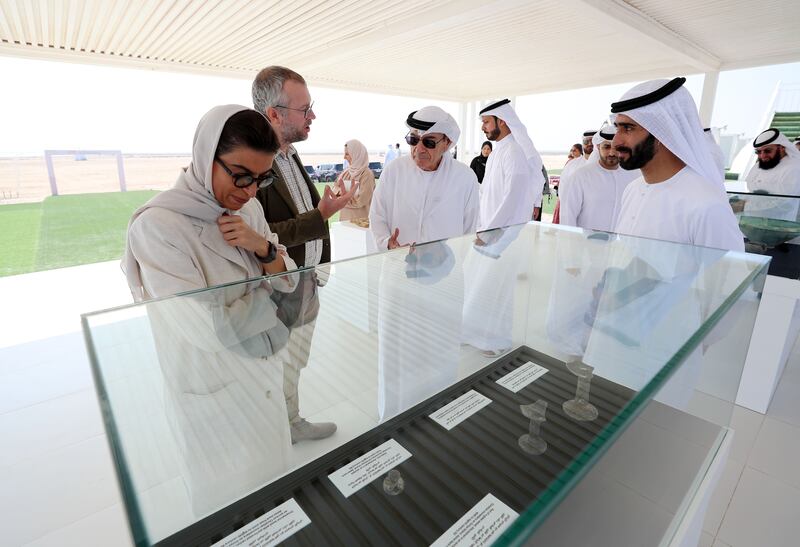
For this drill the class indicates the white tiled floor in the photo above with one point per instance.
(57, 483)
(757, 502)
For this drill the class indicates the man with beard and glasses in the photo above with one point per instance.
(777, 170)
(292, 205)
(594, 195)
(426, 195)
(294, 209)
(680, 196)
(511, 191)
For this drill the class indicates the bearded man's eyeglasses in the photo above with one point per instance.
(306, 111)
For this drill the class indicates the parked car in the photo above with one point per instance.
(377, 168)
(312, 173)
(327, 172)
(322, 168)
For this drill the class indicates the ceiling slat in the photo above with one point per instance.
(6, 23)
(59, 25)
(111, 28)
(84, 24)
(18, 34)
(159, 18)
(455, 49)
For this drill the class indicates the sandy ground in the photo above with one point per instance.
(24, 180)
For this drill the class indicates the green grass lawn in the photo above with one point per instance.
(549, 204)
(321, 189)
(65, 230)
(78, 229)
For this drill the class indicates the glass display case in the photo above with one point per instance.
(524, 383)
(771, 226)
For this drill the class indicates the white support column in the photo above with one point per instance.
(462, 123)
(472, 114)
(709, 96)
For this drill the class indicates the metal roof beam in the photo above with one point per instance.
(617, 13)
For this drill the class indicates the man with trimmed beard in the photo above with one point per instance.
(511, 191)
(679, 196)
(777, 169)
(594, 195)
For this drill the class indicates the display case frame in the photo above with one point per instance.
(624, 302)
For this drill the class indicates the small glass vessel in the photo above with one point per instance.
(580, 408)
(393, 484)
(532, 442)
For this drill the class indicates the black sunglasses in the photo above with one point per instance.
(428, 142)
(243, 180)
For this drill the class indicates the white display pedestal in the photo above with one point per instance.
(775, 331)
(350, 241)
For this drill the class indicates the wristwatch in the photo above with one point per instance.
(272, 253)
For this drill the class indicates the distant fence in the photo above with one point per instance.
(51, 173)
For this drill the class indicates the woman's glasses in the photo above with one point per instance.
(428, 142)
(243, 180)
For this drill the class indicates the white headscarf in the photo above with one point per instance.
(359, 159)
(193, 193)
(506, 113)
(766, 138)
(441, 121)
(674, 121)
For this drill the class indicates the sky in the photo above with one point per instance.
(54, 105)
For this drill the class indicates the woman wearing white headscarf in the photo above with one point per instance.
(358, 172)
(221, 352)
(207, 229)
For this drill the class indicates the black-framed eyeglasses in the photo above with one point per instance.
(243, 180)
(306, 111)
(428, 142)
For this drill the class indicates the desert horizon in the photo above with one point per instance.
(25, 179)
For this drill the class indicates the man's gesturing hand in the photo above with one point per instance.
(330, 203)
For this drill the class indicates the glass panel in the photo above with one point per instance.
(771, 226)
(198, 390)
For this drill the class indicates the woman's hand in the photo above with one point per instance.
(237, 233)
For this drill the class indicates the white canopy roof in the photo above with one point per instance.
(458, 50)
